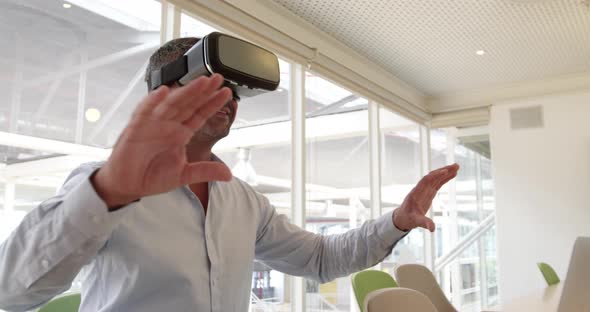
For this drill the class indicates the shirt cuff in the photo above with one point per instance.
(85, 211)
(387, 231)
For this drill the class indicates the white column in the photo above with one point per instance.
(170, 26)
(375, 159)
(483, 279)
(17, 85)
(81, 94)
(429, 238)
(375, 144)
(453, 225)
(297, 104)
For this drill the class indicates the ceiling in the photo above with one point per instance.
(432, 44)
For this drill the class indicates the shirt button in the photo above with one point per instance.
(96, 219)
(45, 263)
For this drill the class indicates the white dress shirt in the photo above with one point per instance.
(162, 253)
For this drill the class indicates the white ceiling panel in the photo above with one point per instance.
(432, 44)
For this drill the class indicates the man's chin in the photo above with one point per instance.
(218, 133)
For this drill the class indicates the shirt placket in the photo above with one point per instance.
(211, 254)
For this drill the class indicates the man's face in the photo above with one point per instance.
(218, 125)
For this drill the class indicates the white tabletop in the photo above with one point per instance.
(541, 300)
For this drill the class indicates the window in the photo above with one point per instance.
(400, 171)
(70, 73)
(337, 188)
(460, 208)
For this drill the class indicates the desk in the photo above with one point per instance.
(541, 300)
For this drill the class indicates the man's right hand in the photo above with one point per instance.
(150, 155)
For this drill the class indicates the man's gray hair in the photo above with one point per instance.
(168, 53)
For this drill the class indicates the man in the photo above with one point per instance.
(163, 226)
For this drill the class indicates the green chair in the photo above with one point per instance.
(67, 303)
(365, 282)
(548, 273)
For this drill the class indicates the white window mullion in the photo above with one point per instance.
(453, 228)
(425, 167)
(483, 279)
(170, 28)
(297, 104)
(375, 159)
(83, 78)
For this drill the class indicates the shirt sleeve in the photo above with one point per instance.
(287, 248)
(43, 255)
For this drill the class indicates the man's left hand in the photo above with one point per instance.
(411, 214)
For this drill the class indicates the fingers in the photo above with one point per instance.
(149, 102)
(216, 101)
(439, 177)
(425, 222)
(204, 93)
(178, 98)
(205, 171)
(424, 192)
(427, 185)
(181, 103)
(452, 174)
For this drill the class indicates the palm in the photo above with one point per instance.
(159, 157)
(150, 155)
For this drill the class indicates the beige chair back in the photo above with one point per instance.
(419, 278)
(397, 300)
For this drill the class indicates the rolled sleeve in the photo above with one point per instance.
(387, 231)
(290, 249)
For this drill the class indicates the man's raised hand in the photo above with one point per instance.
(412, 212)
(150, 155)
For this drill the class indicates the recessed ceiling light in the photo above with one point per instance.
(92, 115)
(67, 5)
(480, 52)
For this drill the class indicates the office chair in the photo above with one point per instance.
(367, 281)
(548, 273)
(397, 299)
(419, 278)
(67, 303)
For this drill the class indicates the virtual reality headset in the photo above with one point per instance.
(248, 69)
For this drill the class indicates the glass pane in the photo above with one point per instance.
(491, 267)
(74, 74)
(258, 150)
(337, 189)
(325, 98)
(459, 209)
(466, 190)
(400, 171)
(190, 26)
(71, 72)
(470, 280)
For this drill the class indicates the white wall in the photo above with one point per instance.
(542, 179)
